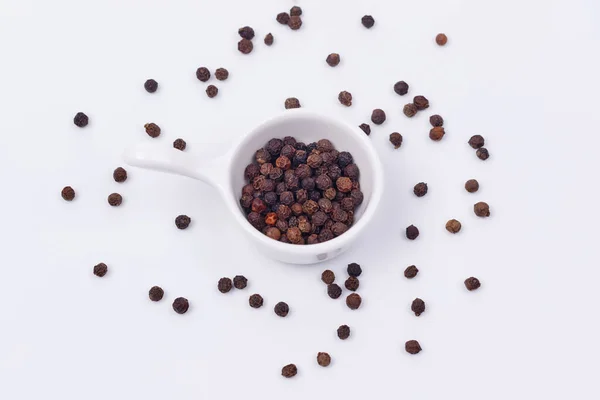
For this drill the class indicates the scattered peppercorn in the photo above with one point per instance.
(345, 98)
(68, 193)
(482, 209)
(295, 22)
(343, 332)
(221, 74)
(256, 301)
(246, 32)
(421, 102)
(120, 175)
(212, 91)
(441, 39)
(472, 283)
(115, 199)
(412, 347)
(81, 119)
(224, 285)
(292, 102)
(240, 282)
(182, 221)
(471, 185)
(100, 270)
(152, 129)
(353, 301)
(281, 309)
(476, 141)
(333, 59)
(410, 110)
(437, 133)
(283, 18)
(367, 21)
(411, 271)
(181, 305)
(483, 153)
(378, 116)
(366, 128)
(453, 226)
(289, 371)
(412, 232)
(418, 306)
(323, 359)
(352, 283)
(401, 88)
(420, 189)
(203, 74)
(295, 11)
(334, 290)
(396, 139)
(436, 120)
(179, 144)
(150, 85)
(269, 39)
(328, 276)
(245, 46)
(156, 293)
(354, 270)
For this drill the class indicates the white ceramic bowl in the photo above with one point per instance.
(226, 173)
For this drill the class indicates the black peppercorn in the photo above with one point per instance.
(288, 151)
(396, 139)
(420, 189)
(181, 305)
(283, 18)
(353, 301)
(179, 144)
(345, 98)
(483, 153)
(328, 276)
(352, 283)
(151, 86)
(120, 175)
(292, 102)
(156, 293)
(436, 120)
(334, 290)
(68, 193)
(281, 309)
(472, 283)
(100, 269)
(269, 39)
(251, 171)
(343, 332)
(421, 102)
(289, 371)
(410, 110)
(80, 119)
(401, 88)
(333, 59)
(115, 199)
(482, 209)
(412, 232)
(224, 285)
(418, 306)
(378, 116)
(365, 128)
(212, 91)
(152, 130)
(246, 32)
(411, 271)
(295, 11)
(412, 347)
(255, 301)
(295, 22)
(351, 171)
(245, 46)
(367, 21)
(221, 74)
(203, 74)
(182, 221)
(358, 197)
(354, 270)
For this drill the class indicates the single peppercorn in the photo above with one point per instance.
(453, 226)
(156, 293)
(151, 86)
(344, 184)
(273, 233)
(441, 39)
(483, 153)
(246, 32)
(212, 91)
(482, 209)
(323, 359)
(281, 309)
(203, 74)
(292, 102)
(352, 283)
(100, 270)
(256, 301)
(152, 129)
(367, 21)
(378, 116)
(410, 272)
(240, 282)
(179, 144)
(283, 18)
(472, 283)
(182, 221)
(410, 110)
(120, 175)
(436, 120)
(471, 185)
(328, 276)
(421, 102)
(345, 98)
(418, 306)
(354, 270)
(221, 74)
(365, 128)
(81, 120)
(333, 59)
(396, 139)
(245, 46)
(437, 133)
(344, 159)
(343, 332)
(476, 141)
(181, 305)
(289, 371)
(412, 232)
(334, 290)
(420, 189)
(68, 193)
(412, 347)
(353, 301)
(401, 88)
(251, 171)
(295, 22)
(224, 285)
(295, 11)
(115, 199)
(269, 39)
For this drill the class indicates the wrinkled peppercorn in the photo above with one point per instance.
(115, 199)
(152, 130)
(471, 185)
(483, 153)
(334, 290)
(292, 102)
(181, 305)
(441, 39)
(367, 21)
(269, 39)
(421, 102)
(270, 219)
(412, 232)
(221, 74)
(344, 184)
(345, 98)
(245, 46)
(100, 269)
(295, 22)
(351, 171)
(412, 347)
(283, 162)
(436, 120)
(353, 301)
(365, 128)
(325, 235)
(343, 332)
(323, 359)
(418, 306)
(347, 204)
(328, 276)
(259, 206)
(256, 301)
(251, 171)
(179, 144)
(203, 74)
(294, 234)
(344, 159)
(68, 193)
(333, 59)
(378, 116)
(156, 293)
(396, 139)
(281, 309)
(274, 147)
(255, 219)
(354, 270)
(246, 32)
(323, 182)
(437, 133)
(420, 189)
(150, 85)
(453, 226)
(289, 371)
(295, 11)
(401, 88)
(288, 151)
(283, 18)
(411, 271)
(472, 283)
(224, 285)
(476, 141)
(182, 221)
(120, 175)
(482, 209)
(358, 197)
(352, 283)
(212, 91)
(81, 120)
(240, 282)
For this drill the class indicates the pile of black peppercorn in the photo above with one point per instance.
(301, 194)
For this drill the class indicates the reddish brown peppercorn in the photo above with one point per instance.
(273, 233)
(246, 32)
(181, 305)
(100, 270)
(418, 306)
(353, 301)
(352, 283)
(420, 189)
(343, 332)
(328, 276)
(179, 144)
(295, 22)
(396, 139)
(453, 226)
(333, 59)
(483, 153)
(436, 120)
(476, 141)
(289, 371)
(68, 193)
(224, 285)
(323, 359)
(283, 162)
(221, 74)
(212, 91)
(410, 272)
(421, 102)
(152, 130)
(294, 235)
(482, 209)
(182, 221)
(245, 46)
(412, 347)
(255, 301)
(344, 184)
(283, 18)
(295, 11)
(437, 133)
(151, 86)
(120, 175)
(471, 185)
(378, 116)
(334, 291)
(365, 128)
(115, 199)
(203, 74)
(271, 218)
(81, 120)
(441, 39)
(345, 98)
(472, 283)
(269, 39)
(240, 282)
(281, 309)
(410, 110)
(156, 293)
(292, 102)
(412, 232)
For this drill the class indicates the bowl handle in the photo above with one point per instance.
(155, 157)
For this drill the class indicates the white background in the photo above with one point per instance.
(524, 74)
